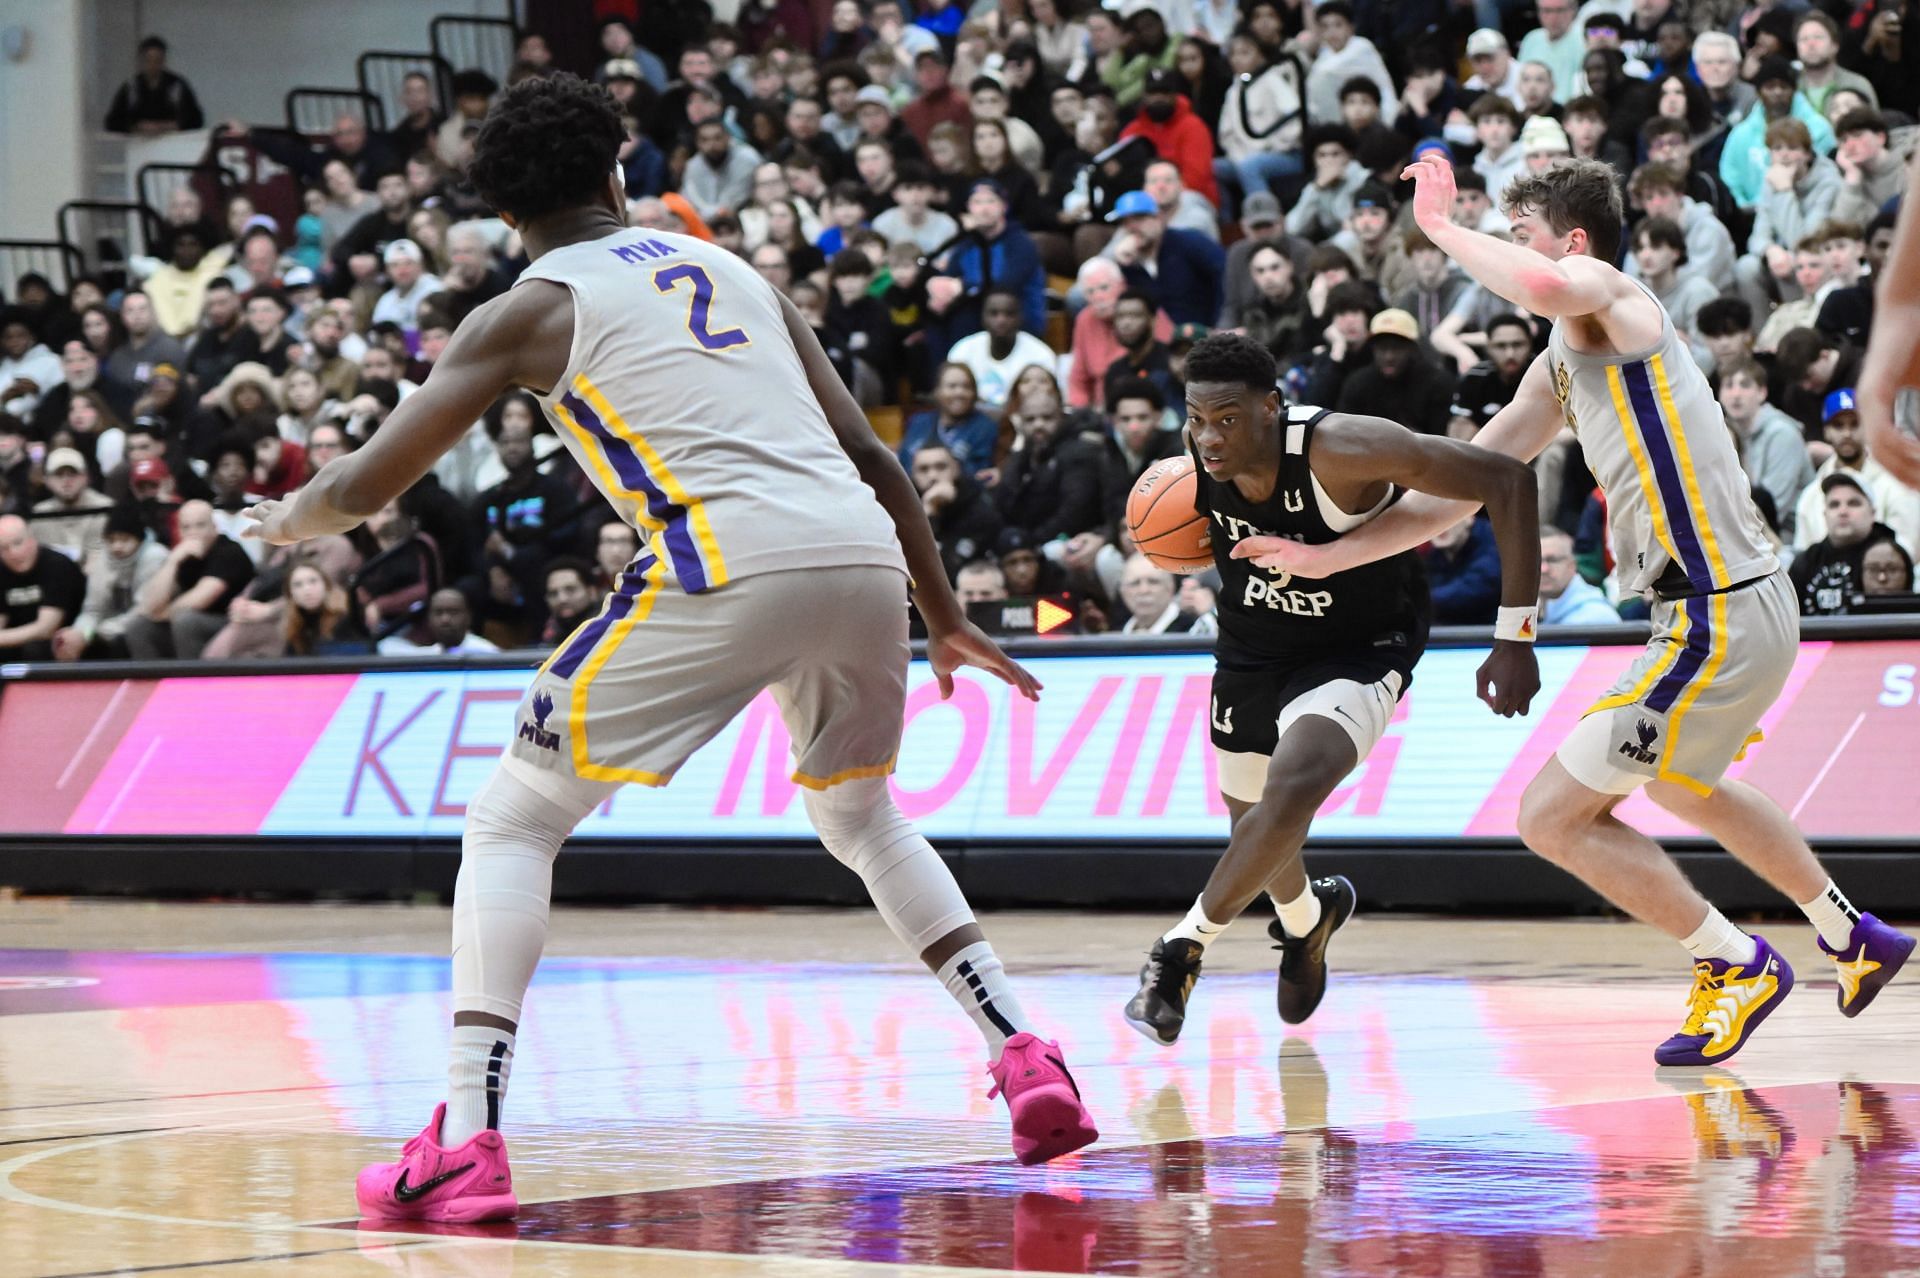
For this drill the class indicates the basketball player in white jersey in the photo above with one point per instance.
(773, 524)
(1726, 628)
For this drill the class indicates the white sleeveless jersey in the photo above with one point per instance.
(685, 399)
(1679, 506)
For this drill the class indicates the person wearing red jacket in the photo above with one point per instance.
(1167, 120)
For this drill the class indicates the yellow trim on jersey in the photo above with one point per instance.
(716, 564)
(1696, 502)
(1716, 657)
(1676, 644)
(1649, 487)
(577, 705)
(850, 774)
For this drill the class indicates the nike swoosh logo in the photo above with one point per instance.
(405, 1193)
(1062, 1066)
(1343, 714)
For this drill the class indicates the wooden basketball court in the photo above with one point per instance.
(189, 1089)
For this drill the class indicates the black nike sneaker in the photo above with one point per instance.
(1303, 959)
(1166, 982)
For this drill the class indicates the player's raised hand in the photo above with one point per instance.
(969, 646)
(1432, 190)
(1509, 677)
(1286, 555)
(268, 524)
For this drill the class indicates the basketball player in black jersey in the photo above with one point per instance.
(1307, 673)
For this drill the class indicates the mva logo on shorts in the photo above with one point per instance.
(536, 731)
(1642, 752)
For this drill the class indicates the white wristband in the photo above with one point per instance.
(1516, 624)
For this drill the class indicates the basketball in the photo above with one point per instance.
(1163, 512)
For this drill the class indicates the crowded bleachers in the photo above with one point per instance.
(1007, 221)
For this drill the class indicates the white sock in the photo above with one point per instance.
(478, 1063)
(1716, 938)
(1298, 916)
(1833, 915)
(979, 984)
(1196, 927)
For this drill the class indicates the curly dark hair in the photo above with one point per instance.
(547, 145)
(1234, 359)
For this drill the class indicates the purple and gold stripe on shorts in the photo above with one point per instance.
(1694, 652)
(632, 586)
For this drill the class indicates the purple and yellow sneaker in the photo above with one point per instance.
(1728, 1002)
(1878, 953)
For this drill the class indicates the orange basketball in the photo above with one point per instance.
(1163, 516)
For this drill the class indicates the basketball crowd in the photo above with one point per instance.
(1007, 222)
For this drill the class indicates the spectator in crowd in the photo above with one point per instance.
(178, 288)
(1400, 384)
(1661, 191)
(28, 370)
(1147, 590)
(1494, 69)
(1183, 209)
(719, 176)
(1772, 449)
(956, 422)
(1827, 573)
(449, 629)
(1350, 308)
(1870, 174)
(1000, 352)
(1567, 598)
(1558, 44)
(1277, 317)
(316, 620)
(935, 100)
(980, 582)
(401, 571)
(1324, 203)
(216, 345)
(1797, 195)
(1260, 123)
(1094, 344)
(412, 285)
(184, 604)
(1816, 38)
(128, 560)
(1659, 256)
(1725, 327)
(965, 521)
(1463, 573)
(1490, 384)
(1182, 272)
(1167, 122)
(73, 518)
(41, 591)
(156, 100)
(991, 252)
(1367, 238)
(80, 372)
(1139, 437)
(1808, 366)
(1496, 127)
(911, 217)
(615, 546)
(568, 585)
(1343, 55)
(1716, 61)
(1142, 355)
(1811, 280)
(356, 255)
(265, 341)
(1887, 569)
(348, 140)
(1747, 162)
(529, 517)
(1889, 500)
(1050, 484)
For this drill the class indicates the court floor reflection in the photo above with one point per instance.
(1719, 1178)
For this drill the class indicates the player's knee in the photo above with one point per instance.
(853, 817)
(507, 812)
(1295, 791)
(1545, 824)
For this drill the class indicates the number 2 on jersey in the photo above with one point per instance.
(669, 278)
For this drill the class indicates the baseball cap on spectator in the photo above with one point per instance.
(1544, 136)
(1012, 538)
(298, 277)
(403, 249)
(1774, 68)
(163, 369)
(1604, 21)
(260, 222)
(991, 184)
(1846, 479)
(149, 470)
(875, 94)
(621, 69)
(1163, 80)
(65, 459)
(1838, 402)
(1371, 195)
(1132, 204)
(1394, 322)
(930, 52)
(1484, 41)
(1187, 334)
(1426, 145)
(475, 83)
(152, 423)
(1262, 208)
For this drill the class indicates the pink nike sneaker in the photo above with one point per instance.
(1048, 1118)
(452, 1186)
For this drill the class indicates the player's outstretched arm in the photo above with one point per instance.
(1522, 430)
(521, 339)
(1350, 450)
(1893, 352)
(1574, 285)
(952, 641)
